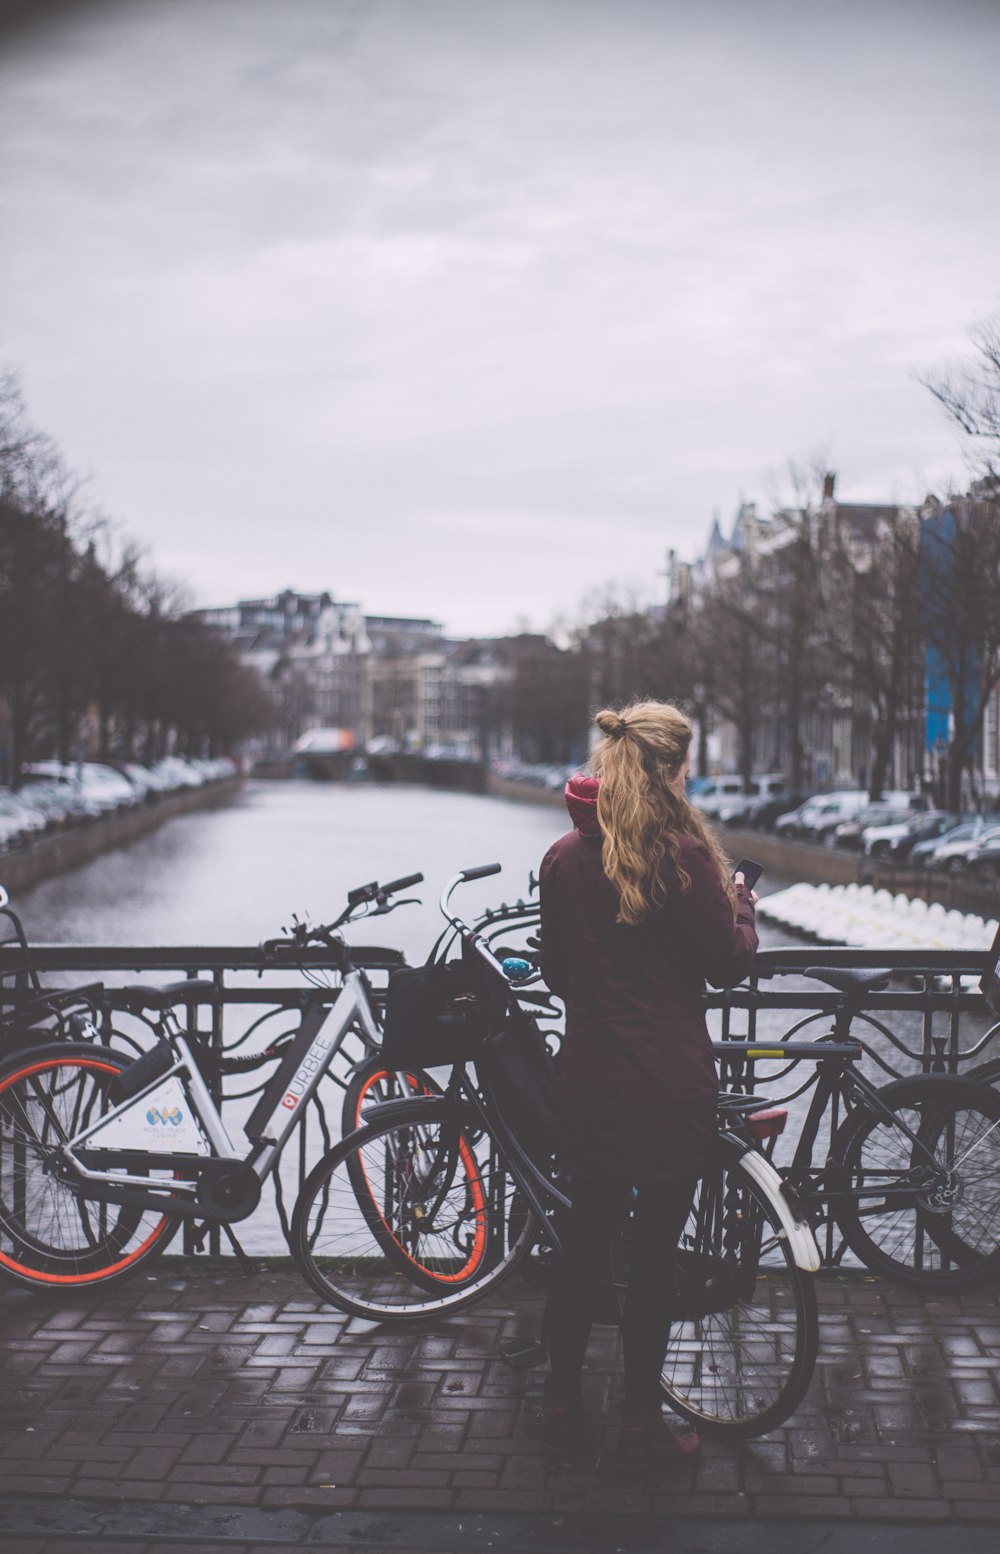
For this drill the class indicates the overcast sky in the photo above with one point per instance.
(471, 308)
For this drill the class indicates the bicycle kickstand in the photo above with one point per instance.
(246, 1263)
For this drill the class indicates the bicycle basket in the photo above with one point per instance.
(433, 1015)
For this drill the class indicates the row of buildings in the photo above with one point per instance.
(799, 639)
(841, 638)
(384, 682)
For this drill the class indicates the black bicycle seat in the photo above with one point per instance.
(191, 990)
(850, 981)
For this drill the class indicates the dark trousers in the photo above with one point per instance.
(581, 1275)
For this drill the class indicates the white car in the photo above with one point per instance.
(728, 793)
(96, 792)
(829, 810)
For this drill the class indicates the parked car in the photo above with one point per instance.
(850, 833)
(761, 813)
(725, 798)
(19, 820)
(100, 785)
(899, 841)
(824, 827)
(11, 834)
(819, 816)
(789, 823)
(62, 803)
(146, 783)
(965, 826)
(984, 858)
(952, 851)
(177, 773)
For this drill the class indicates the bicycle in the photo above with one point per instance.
(372, 1080)
(912, 1178)
(436, 1200)
(102, 1158)
(29, 1012)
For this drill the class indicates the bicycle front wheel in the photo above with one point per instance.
(923, 1207)
(372, 1083)
(51, 1235)
(742, 1370)
(409, 1217)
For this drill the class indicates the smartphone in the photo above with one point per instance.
(750, 871)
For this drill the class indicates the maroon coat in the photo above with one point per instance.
(637, 1076)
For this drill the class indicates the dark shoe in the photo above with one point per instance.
(655, 1445)
(565, 1432)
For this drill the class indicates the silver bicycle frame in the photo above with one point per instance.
(350, 1007)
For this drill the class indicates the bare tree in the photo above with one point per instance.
(970, 391)
(623, 646)
(84, 639)
(871, 586)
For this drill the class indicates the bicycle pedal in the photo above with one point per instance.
(521, 1354)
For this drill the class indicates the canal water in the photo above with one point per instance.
(234, 876)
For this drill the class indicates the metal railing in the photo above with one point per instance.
(933, 1019)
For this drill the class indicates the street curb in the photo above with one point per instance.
(416, 1532)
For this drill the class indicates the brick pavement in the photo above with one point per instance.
(195, 1396)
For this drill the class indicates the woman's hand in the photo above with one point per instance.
(739, 879)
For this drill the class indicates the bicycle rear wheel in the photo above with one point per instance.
(409, 1217)
(51, 1235)
(924, 1214)
(741, 1371)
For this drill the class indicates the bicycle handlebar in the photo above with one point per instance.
(302, 935)
(402, 884)
(474, 938)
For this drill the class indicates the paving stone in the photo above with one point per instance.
(906, 1510)
(821, 1507)
(206, 1390)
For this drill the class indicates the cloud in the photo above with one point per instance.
(359, 286)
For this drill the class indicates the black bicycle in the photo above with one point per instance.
(912, 1177)
(437, 1198)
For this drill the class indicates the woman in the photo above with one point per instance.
(638, 909)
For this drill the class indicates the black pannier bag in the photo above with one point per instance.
(434, 1014)
(521, 1074)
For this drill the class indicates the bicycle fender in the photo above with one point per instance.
(410, 1108)
(798, 1232)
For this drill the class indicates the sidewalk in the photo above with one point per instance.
(195, 1407)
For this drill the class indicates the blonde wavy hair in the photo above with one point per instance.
(643, 817)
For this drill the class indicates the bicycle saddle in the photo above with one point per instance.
(190, 990)
(850, 981)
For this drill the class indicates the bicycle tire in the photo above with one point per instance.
(371, 1083)
(941, 1231)
(742, 1371)
(51, 1235)
(409, 1217)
